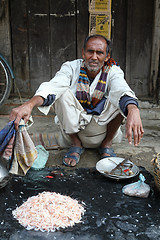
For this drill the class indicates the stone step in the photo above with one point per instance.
(15, 102)
(148, 111)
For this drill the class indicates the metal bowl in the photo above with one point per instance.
(117, 168)
(4, 175)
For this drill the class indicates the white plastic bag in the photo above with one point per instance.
(137, 189)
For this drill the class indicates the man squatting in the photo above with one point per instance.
(91, 98)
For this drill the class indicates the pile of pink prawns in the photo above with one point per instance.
(49, 211)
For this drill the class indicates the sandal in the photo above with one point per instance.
(78, 150)
(107, 150)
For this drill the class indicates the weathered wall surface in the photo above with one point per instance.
(5, 38)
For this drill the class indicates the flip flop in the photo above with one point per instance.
(107, 150)
(78, 150)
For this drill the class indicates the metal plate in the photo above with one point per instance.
(4, 175)
(106, 165)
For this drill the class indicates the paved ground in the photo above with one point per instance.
(141, 155)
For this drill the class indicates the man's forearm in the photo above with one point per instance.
(35, 101)
(125, 101)
(132, 107)
(134, 124)
(24, 110)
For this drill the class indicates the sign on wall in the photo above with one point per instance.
(100, 17)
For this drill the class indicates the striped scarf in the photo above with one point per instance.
(83, 91)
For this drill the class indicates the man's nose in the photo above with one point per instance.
(94, 56)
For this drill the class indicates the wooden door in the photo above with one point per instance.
(139, 45)
(45, 34)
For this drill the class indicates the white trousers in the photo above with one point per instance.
(91, 129)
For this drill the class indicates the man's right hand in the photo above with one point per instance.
(21, 112)
(24, 111)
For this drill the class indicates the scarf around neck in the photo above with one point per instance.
(83, 90)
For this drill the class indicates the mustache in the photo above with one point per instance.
(93, 61)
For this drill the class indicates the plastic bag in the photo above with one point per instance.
(137, 189)
(41, 159)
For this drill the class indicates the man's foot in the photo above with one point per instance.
(106, 152)
(72, 157)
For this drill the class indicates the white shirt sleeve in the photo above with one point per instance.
(65, 78)
(117, 86)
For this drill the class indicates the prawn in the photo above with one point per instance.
(49, 211)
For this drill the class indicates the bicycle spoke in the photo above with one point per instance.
(5, 82)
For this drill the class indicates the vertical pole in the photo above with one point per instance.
(155, 56)
(128, 41)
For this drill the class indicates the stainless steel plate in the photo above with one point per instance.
(105, 167)
(4, 175)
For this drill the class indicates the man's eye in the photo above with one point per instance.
(99, 52)
(90, 51)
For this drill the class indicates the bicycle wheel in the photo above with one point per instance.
(5, 82)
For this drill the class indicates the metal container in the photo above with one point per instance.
(4, 175)
(115, 167)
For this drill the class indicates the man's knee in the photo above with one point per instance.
(67, 94)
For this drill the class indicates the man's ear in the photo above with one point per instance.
(83, 53)
(107, 57)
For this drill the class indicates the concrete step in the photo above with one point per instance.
(15, 102)
(147, 110)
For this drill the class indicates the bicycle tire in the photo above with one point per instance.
(5, 82)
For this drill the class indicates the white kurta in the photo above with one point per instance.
(71, 115)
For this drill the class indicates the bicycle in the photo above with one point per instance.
(6, 78)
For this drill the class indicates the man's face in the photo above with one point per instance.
(95, 54)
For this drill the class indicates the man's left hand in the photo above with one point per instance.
(134, 124)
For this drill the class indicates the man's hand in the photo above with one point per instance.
(21, 112)
(24, 111)
(134, 124)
